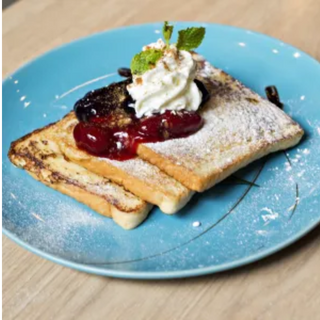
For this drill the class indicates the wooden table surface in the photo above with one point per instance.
(284, 286)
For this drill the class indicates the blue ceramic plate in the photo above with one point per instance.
(240, 222)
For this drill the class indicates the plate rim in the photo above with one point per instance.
(153, 275)
(157, 23)
(163, 275)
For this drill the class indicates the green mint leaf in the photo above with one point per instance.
(145, 60)
(190, 38)
(167, 32)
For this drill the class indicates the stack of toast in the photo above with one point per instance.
(239, 127)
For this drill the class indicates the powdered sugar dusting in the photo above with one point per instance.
(52, 228)
(267, 218)
(262, 232)
(150, 174)
(238, 122)
(196, 224)
(68, 222)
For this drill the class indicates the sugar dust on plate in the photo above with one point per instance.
(196, 224)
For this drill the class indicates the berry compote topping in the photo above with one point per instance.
(109, 128)
(104, 101)
(204, 91)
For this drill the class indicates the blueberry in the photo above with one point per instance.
(204, 91)
(125, 72)
(273, 96)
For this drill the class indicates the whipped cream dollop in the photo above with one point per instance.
(168, 86)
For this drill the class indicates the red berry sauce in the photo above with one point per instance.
(121, 143)
(116, 133)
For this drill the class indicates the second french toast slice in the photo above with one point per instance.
(138, 176)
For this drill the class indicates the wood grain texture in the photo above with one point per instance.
(284, 286)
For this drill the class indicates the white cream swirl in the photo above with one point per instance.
(168, 86)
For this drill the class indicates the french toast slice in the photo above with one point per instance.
(41, 157)
(136, 175)
(240, 127)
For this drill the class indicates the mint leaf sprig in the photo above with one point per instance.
(145, 60)
(188, 39)
(167, 32)
(191, 38)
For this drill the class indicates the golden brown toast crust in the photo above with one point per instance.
(41, 158)
(240, 127)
